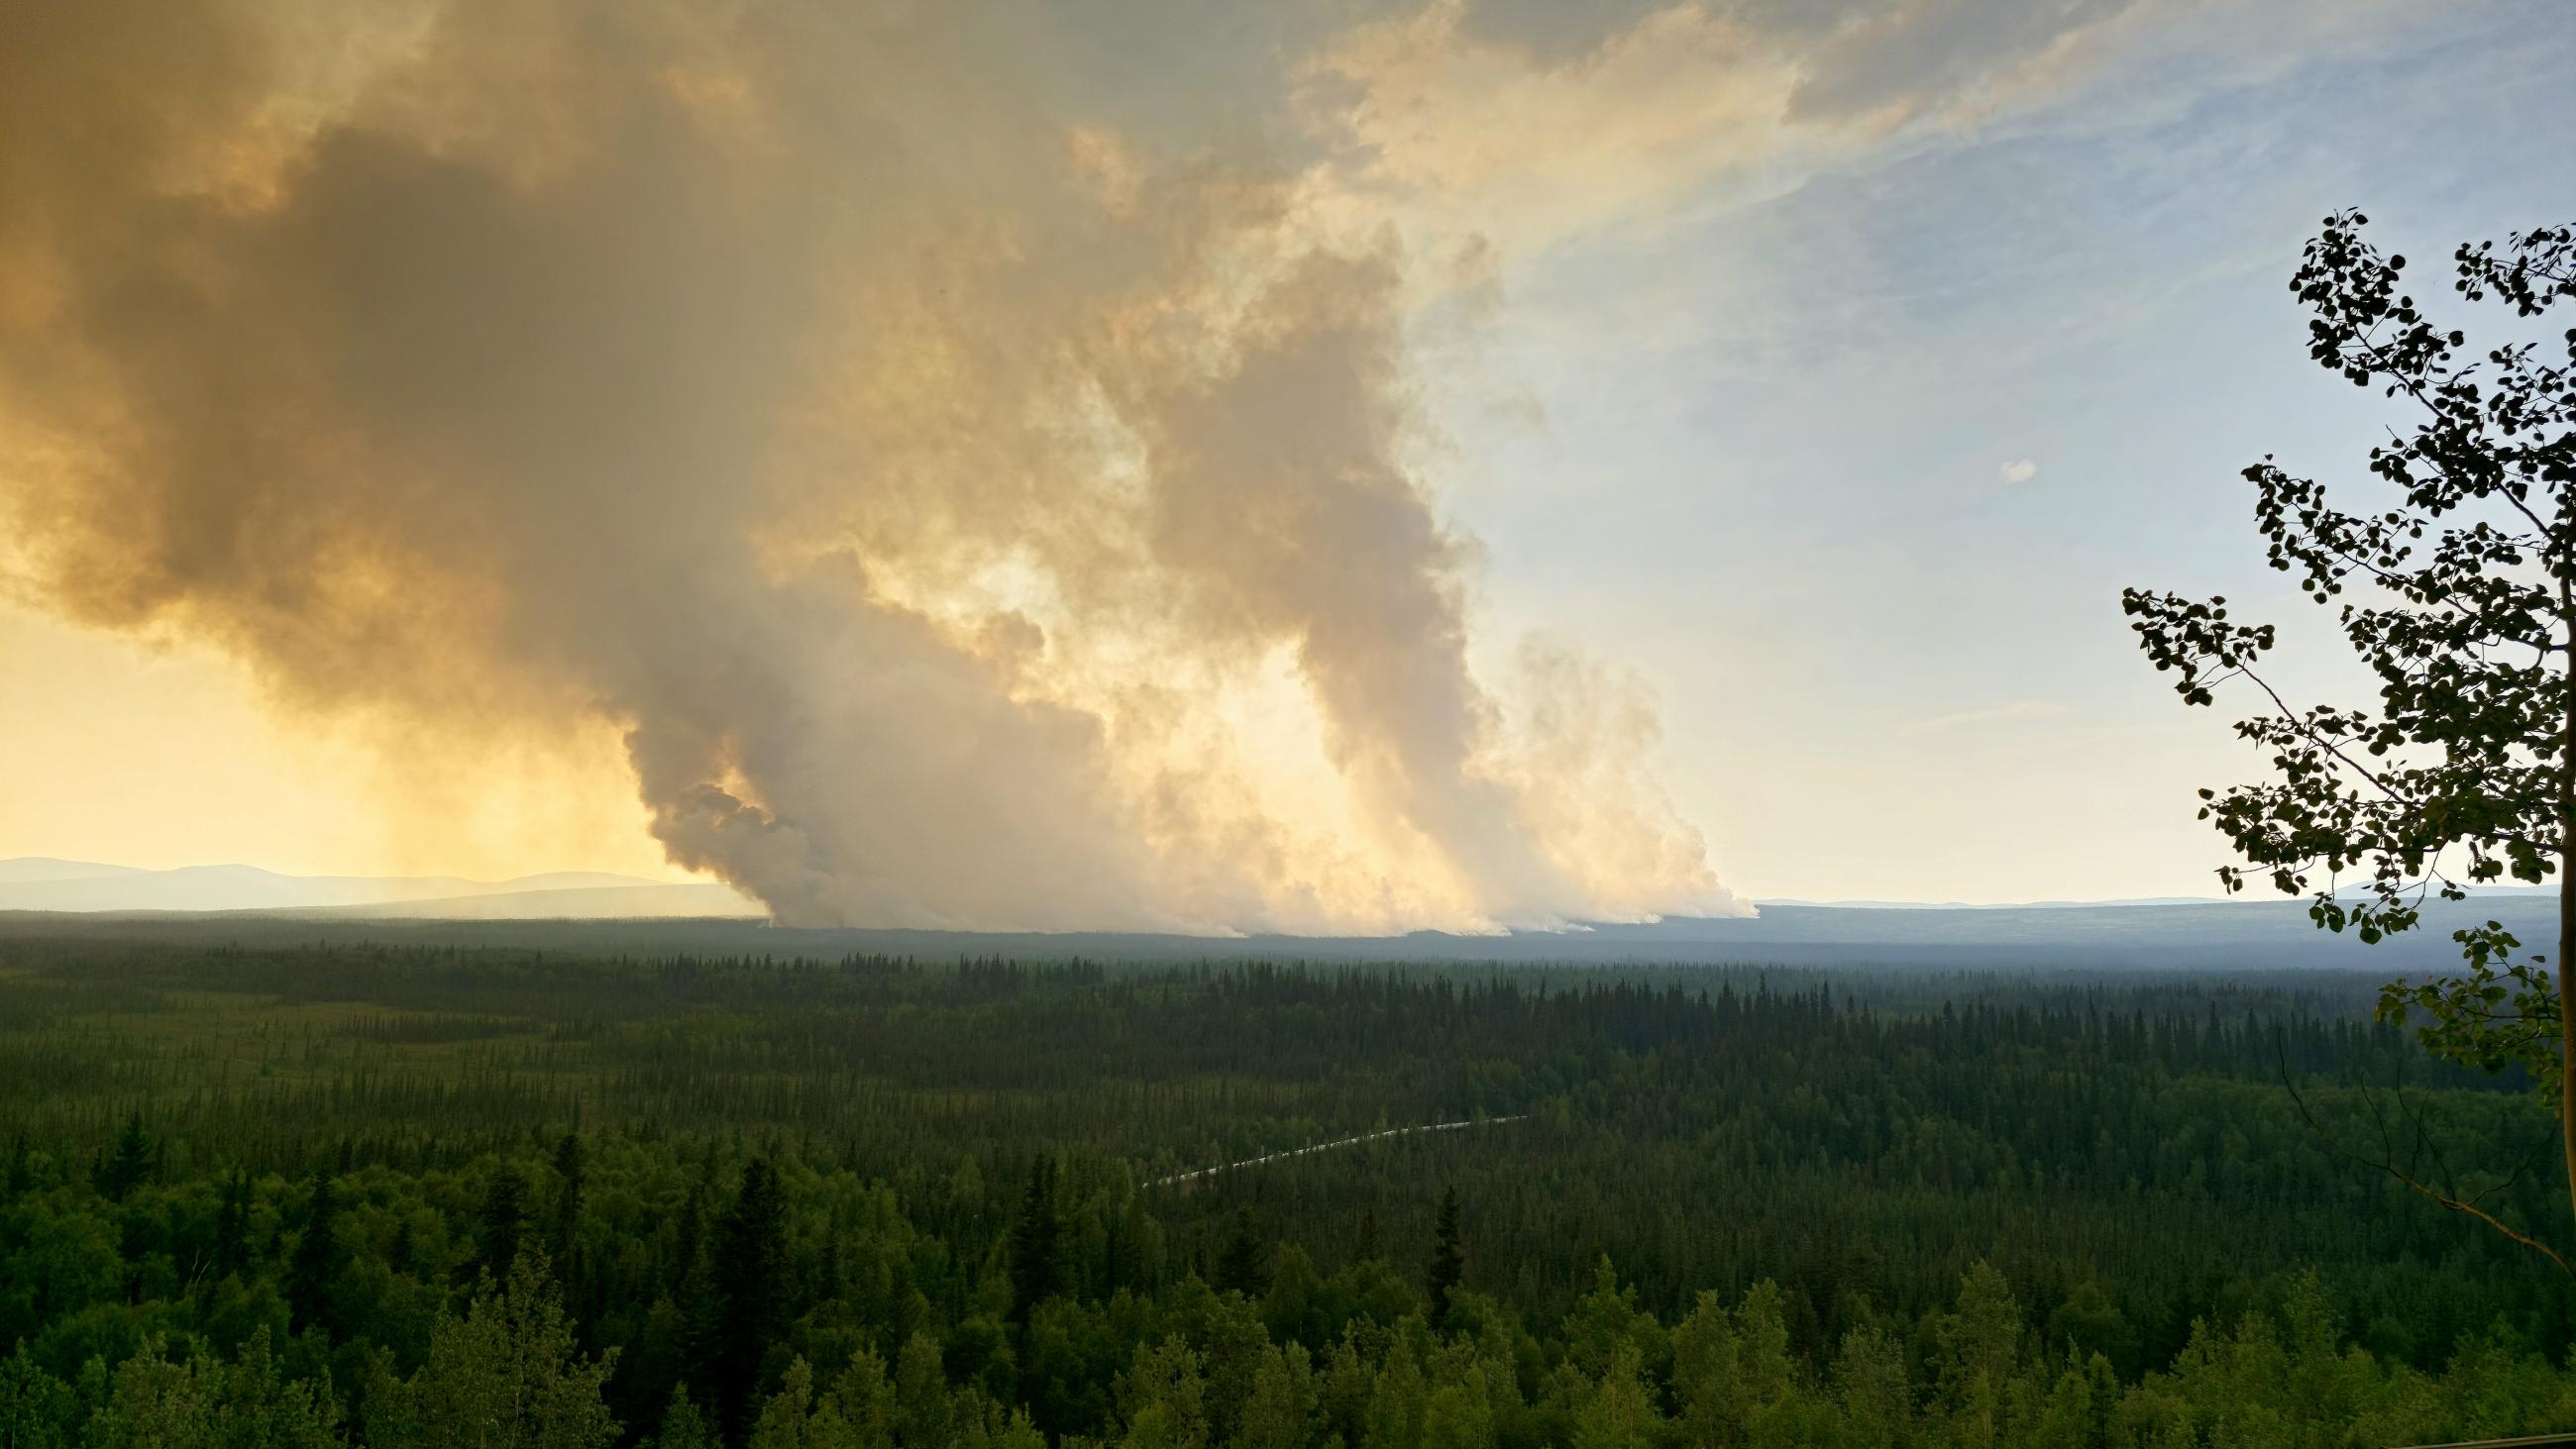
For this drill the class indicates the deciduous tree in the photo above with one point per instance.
(2454, 583)
(507, 1375)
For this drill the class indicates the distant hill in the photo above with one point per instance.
(45, 867)
(1995, 906)
(40, 884)
(643, 900)
(625, 914)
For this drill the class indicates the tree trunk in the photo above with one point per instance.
(2567, 974)
(2567, 895)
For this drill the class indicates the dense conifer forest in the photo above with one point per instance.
(428, 1194)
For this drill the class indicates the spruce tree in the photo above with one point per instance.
(687, 1238)
(563, 1234)
(749, 1262)
(1448, 1260)
(129, 1165)
(1243, 1266)
(316, 1261)
(1037, 1272)
(498, 1220)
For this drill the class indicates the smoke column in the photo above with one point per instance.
(948, 447)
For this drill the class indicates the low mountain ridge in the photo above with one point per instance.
(82, 887)
(2247, 933)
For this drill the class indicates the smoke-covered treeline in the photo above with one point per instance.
(944, 1171)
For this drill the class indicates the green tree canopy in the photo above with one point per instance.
(506, 1375)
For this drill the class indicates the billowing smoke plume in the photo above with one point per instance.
(952, 451)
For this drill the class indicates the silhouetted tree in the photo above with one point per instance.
(2465, 612)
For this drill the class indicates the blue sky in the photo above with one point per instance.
(1770, 472)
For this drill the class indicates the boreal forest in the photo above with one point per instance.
(418, 1188)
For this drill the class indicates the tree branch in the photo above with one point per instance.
(2281, 1050)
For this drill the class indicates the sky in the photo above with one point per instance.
(1339, 466)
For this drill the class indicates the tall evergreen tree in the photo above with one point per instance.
(749, 1263)
(317, 1260)
(1037, 1266)
(689, 1236)
(499, 1219)
(1243, 1265)
(563, 1233)
(1448, 1258)
(129, 1164)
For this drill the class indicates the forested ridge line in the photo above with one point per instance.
(232, 1173)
